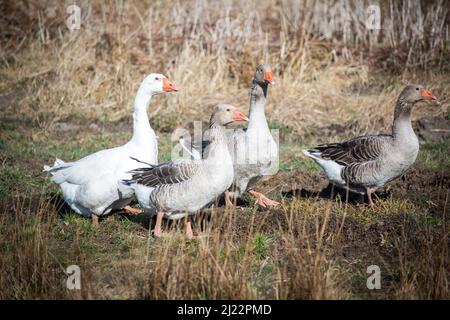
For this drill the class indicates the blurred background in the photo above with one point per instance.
(333, 74)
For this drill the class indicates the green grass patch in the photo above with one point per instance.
(436, 155)
(291, 158)
(261, 243)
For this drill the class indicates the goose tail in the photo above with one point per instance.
(58, 164)
(331, 168)
(135, 175)
(313, 154)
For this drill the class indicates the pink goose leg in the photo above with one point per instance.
(262, 200)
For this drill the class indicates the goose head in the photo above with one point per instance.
(414, 93)
(225, 114)
(263, 75)
(156, 83)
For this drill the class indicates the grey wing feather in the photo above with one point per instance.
(165, 174)
(357, 150)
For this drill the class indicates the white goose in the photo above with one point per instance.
(179, 188)
(92, 185)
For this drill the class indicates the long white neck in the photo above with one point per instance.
(142, 132)
(257, 117)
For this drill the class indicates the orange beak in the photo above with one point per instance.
(169, 86)
(268, 76)
(427, 95)
(239, 116)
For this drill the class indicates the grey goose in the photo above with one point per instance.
(254, 150)
(181, 187)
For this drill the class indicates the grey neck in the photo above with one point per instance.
(257, 117)
(217, 132)
(217, 136)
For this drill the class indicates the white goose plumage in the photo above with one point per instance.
(92, 185)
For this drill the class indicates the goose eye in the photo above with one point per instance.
(157, 79)
(417, 89)
(228, 109)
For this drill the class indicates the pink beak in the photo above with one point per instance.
(427, 95)
(169, 86)
(239, 116)
(268, 76)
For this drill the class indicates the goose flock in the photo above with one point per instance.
(229, 162)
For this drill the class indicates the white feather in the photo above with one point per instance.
(331, 168)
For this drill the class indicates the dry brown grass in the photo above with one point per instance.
(327, 64)
(297, 252)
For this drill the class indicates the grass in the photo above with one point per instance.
(68, 94)
(435, 156)
(292, 158)
(75, 79)
(259, 249)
